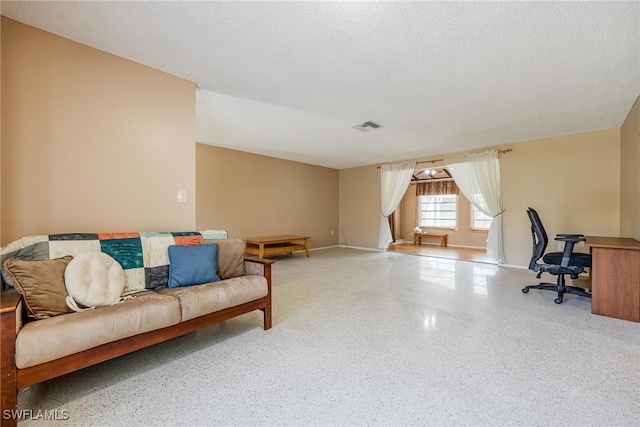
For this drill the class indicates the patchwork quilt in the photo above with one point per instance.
(143, 255)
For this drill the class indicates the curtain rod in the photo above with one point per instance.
(508, 150)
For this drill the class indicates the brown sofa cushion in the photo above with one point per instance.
(50, 339)
(230, 256)
(41, 283)
(199, 300)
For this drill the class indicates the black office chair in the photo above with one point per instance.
(556, 263)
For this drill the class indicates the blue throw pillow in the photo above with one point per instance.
(193, 265)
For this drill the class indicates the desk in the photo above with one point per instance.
(615, 277)
(273, 245)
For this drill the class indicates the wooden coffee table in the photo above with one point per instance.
(273, 245)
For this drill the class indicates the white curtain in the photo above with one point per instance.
(394, 181)
(478, 177)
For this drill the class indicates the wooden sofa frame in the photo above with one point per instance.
(13, 378)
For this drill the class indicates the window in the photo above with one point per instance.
(479, 221)
(438, 211)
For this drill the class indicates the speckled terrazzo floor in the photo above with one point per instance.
(372, 338)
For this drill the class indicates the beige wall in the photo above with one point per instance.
(572, 181)
(251, 195)
(91, 141)
(463, 236)
(630, 174)
(0, 132)
(360, 206)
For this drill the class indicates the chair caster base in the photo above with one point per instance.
(525, 290)
(558, 300)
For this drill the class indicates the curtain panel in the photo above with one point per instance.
(478, 176)
(394, 181)
(436, 188)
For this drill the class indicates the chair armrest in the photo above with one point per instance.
(570, 237)
(570, 241)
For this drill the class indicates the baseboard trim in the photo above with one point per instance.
(323, 247)
(468, 247)
(521, 267)
(437, 245)
(361, 248)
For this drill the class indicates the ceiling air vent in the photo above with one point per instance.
(367, 126)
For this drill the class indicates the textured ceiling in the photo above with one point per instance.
(290, 79)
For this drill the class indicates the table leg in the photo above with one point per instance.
(306, 246)
(261, 246)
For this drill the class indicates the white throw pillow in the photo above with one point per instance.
(93, 279)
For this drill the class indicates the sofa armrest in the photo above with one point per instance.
(258, 260)
(11, 302)
(10, 324)
(11, 307)
(257, 265)
(262, 267)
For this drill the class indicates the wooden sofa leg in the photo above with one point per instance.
(9, 390)
(267, 317)
(267, 309)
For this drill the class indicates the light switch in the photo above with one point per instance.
(182, 196)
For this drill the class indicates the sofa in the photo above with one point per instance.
(167, 284)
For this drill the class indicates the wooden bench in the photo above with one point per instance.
(417, 238)
(273, 245)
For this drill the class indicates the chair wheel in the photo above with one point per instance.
(525, 290)
(558, 300)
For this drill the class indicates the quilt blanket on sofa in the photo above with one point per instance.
(143, 255)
